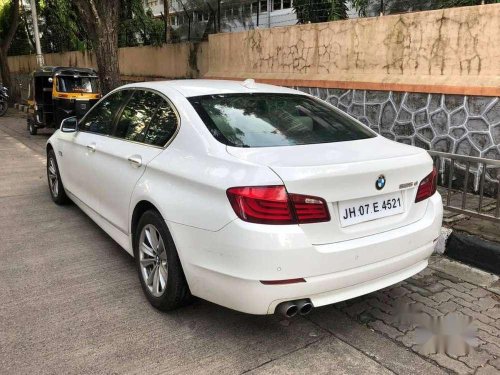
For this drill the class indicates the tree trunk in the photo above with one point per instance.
(107, 59)
(100, 19)
(166, 14)
(4, 68)
(5, 45)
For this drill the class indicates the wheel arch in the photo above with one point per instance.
(140, 208)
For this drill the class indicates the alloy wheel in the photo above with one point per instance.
(53, 179)
(153, 260)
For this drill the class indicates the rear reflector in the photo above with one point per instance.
(427, 186)
(282, 282)
(273, 205)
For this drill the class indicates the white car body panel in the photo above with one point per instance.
(224, 258)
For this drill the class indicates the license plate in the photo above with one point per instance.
(357, 211)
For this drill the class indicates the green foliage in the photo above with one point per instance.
(138, 26)
(338, 10)
(20, 44)
(59, 27)
(315, 10)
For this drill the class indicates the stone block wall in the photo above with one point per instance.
(466, 125)
(459, 124)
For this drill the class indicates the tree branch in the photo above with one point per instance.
(14, 23)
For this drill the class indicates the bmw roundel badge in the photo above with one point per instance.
(380, 183)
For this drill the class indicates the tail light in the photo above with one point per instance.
(273, 205)
(427, 186)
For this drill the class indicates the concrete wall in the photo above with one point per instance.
(183, 60)
(453, 51)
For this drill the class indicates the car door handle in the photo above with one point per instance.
(91, 147)
(135, 161)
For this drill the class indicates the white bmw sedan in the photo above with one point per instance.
(255, 197)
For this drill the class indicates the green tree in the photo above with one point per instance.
(139, 26)
(59, 27)
(9, 16)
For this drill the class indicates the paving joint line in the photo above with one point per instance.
(399, 344)
(284, 355)
(373, 358)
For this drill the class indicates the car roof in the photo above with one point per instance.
(199, 87)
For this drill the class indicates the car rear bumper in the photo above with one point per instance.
(226, 267)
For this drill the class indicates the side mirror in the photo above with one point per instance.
(69, 125)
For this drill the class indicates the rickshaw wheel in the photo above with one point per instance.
(32, 128)
(3, 108)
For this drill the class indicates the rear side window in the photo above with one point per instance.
(136, 115)
(266, 120)
(163, 125)
(100, 118)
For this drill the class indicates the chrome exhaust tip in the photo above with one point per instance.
(304, 307)
(287, 309)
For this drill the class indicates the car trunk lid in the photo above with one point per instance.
(345, 175)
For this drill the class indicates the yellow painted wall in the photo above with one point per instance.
(458, 47)
(455, 51)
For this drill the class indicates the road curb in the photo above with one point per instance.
(474, 251)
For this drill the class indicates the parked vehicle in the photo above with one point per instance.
(60, 92)
(4, 100)
(255, 197)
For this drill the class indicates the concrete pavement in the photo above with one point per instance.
(70, 302)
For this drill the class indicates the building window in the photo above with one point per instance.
(255, 7)
(287, 4)
(263, 6)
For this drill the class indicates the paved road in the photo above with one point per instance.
(70, 302)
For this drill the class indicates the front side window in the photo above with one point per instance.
(137, 115)
(71, 84)
(267, 120)
(100, 119)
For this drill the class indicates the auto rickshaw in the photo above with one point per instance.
(60, 92)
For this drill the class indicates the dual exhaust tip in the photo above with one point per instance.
(291, 308)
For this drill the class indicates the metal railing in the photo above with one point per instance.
(477, 198)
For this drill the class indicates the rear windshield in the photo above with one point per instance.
(266, 120)
(77, 84)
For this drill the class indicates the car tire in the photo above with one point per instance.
(32, 128)
(157, 260)
(56, 186)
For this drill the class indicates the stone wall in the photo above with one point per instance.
(467, 125)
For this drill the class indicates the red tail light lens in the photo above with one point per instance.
(309, 209)
(273, 205)
(427, 186)
(261, 204)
